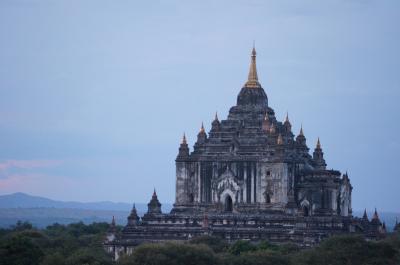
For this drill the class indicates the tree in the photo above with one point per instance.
(352, 250)
(241, 246)
(19, 250)
(215, 243)
(170, 254)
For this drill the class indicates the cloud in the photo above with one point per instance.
(33, 176)
(8, 168)
(36, 183)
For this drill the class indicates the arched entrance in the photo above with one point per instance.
(228, 203)
(268, 198)
(305, 211)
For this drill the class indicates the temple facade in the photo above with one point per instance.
(250, 178)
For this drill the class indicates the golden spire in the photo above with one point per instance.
(202, 128)
(280, 140)
(252, 81)
(184, 139)
(318, 144)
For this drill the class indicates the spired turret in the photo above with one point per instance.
(133, 218)
(215, 125)
(183, 149)
(396, 226)
(112, 231)
(377, 229)
(318, 157)
(154, 206)
(202, 135)
(375, 218)
(365, 216)
(301, 139)
(287, 125)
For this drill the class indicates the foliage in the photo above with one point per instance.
(56, 245)
(170, 254)
(241, 246)
(260, 257)
(354, 250)
(77, 244)
(215, 243)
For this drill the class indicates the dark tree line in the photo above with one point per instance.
(78, 243)
(57, 244)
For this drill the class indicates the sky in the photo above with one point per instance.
(95, 95)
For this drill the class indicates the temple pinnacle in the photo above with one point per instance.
(184, 139)
(301, 130)
(216, 116)
(202, 128)
(318, 144)
(252, 81)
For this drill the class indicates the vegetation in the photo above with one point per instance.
(82, 244)
(56, 245)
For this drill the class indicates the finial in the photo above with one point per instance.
(202, 128)
(365, 216)
(319, 146)
(301, 130)
(154, 192)
(184, 139)
(134, 206)
(375, 214)
(216, 116)
(287, 117)
(252, 81)
(280, 140)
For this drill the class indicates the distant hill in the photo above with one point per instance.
(22, 200)
(42, 211)
(42, 217)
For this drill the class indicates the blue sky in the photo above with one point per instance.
(95, 95)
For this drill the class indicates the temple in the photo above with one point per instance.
(250, 178)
